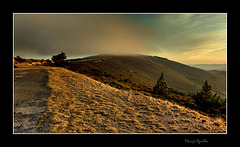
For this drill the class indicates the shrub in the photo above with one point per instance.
(161, 87)
(19, 59)
(48, 63)
(59, 60)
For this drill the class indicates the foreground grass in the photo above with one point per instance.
(79, 104)
(120, 79)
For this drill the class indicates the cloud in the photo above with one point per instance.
(189, 36)
(187, 30)
(83, 34)
(180, 37)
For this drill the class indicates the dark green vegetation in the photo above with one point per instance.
(205, 100)
(140, 73)
(161, 87)
(60, 59)
(209, 102)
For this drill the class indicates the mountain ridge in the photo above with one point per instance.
(145, 70)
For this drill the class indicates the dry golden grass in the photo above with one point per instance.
(79, 104)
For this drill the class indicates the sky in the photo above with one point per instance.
(186, 38)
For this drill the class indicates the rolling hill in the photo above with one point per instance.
(145, 70)
(79, 104)
(63, 101)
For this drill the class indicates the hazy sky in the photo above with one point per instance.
(186, 38)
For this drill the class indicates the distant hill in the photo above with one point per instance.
(218, 72)
(221, 67)
(145, 70)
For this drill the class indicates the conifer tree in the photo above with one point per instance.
(206, 100)
(206, 89)
(161, 87)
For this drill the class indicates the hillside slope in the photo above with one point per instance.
(146, 70)
(79, 104)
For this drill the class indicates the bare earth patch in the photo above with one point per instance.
(30, 96)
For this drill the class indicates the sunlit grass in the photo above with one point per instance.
(79, 104)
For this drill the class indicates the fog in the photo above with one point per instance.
(186, 38)
(81, 35)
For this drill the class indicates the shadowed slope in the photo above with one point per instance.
(145, 70)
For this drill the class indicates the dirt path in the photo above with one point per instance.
(30, 95)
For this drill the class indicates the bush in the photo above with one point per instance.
(19, 59)
(60, 59)
(48, 63)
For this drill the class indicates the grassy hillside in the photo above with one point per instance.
(79, 104)
(145, 70)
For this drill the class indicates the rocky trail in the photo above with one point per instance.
(30, 96)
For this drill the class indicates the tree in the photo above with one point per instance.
(207, 101)
(19, 59)
(161, 87)
(60, 59)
